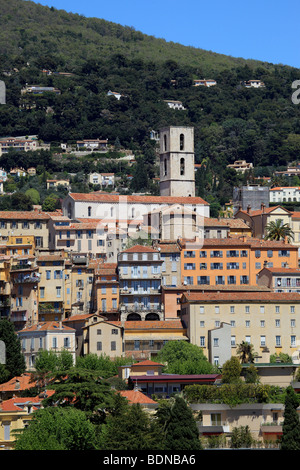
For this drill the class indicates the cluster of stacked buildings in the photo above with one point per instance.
(122, 275)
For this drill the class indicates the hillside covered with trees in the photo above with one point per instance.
(231, 122)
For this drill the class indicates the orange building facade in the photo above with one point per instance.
(232, 261)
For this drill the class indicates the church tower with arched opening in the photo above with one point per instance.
(177, 170)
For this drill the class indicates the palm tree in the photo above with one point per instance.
(245, 352)
(279, 231)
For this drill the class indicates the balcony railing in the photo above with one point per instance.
(25, 279)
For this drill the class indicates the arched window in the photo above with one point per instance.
(165, 167)
(181, 142)
(182, 166)
(165, 143)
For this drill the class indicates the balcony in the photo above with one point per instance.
(18, 315)
(271, 428)
(213, 428)
(33, 278)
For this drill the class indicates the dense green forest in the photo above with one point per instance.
(231, 122)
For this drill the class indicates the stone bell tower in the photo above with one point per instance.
(177, 171)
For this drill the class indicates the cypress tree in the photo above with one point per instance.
(15, 361)
(291, 425)
(181, 432)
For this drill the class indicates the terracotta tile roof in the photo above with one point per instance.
(168, 247)
(150, 325)
(17, 403)
(79, 317)
(24, 215)
(138, 199)
(242, 297)
(211, 222)
(296, 215)
(18, 383)
(266, 210)
(284, 187)
(235, 223)
(135, 396)
(147, 363)
(46, 326)
(242, 241)
(283, 270)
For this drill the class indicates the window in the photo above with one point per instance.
(277, 309)
(202, 280)
(277, 323)
(284, 253)
(113, 346)
(202, 341)
(248, 339)
(182, 166)
(216, 254)
(216, 342)
(217, 309)
(165, 166)
(292, 309)
(114, 331)
(232, 309)
(58, 291)
(54, 342)
(215, 419)
(42, 292)
(278, 341)
(247, 323)
(89, 211)
(181, 142)
(233, 342)
(262, 323)
(293, 341)
(247, 309)
(99, 332)
(293, 323)
(263, 341)
(99, 345)
(262, 309)
(48, 275)
(189, 254)
(67, 342)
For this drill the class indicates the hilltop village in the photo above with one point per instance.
(123, 275)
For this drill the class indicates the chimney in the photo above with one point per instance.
(248, 209)
(262, 207)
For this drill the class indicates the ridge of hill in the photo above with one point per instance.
(29, 31)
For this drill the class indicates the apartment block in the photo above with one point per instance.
(47, 336)
(53, 286)
(259, 219)
(26, 223)
(140, 274)
(24, 280)
(280, 279)
(267, 320)
(232, 261)
(106, 290)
